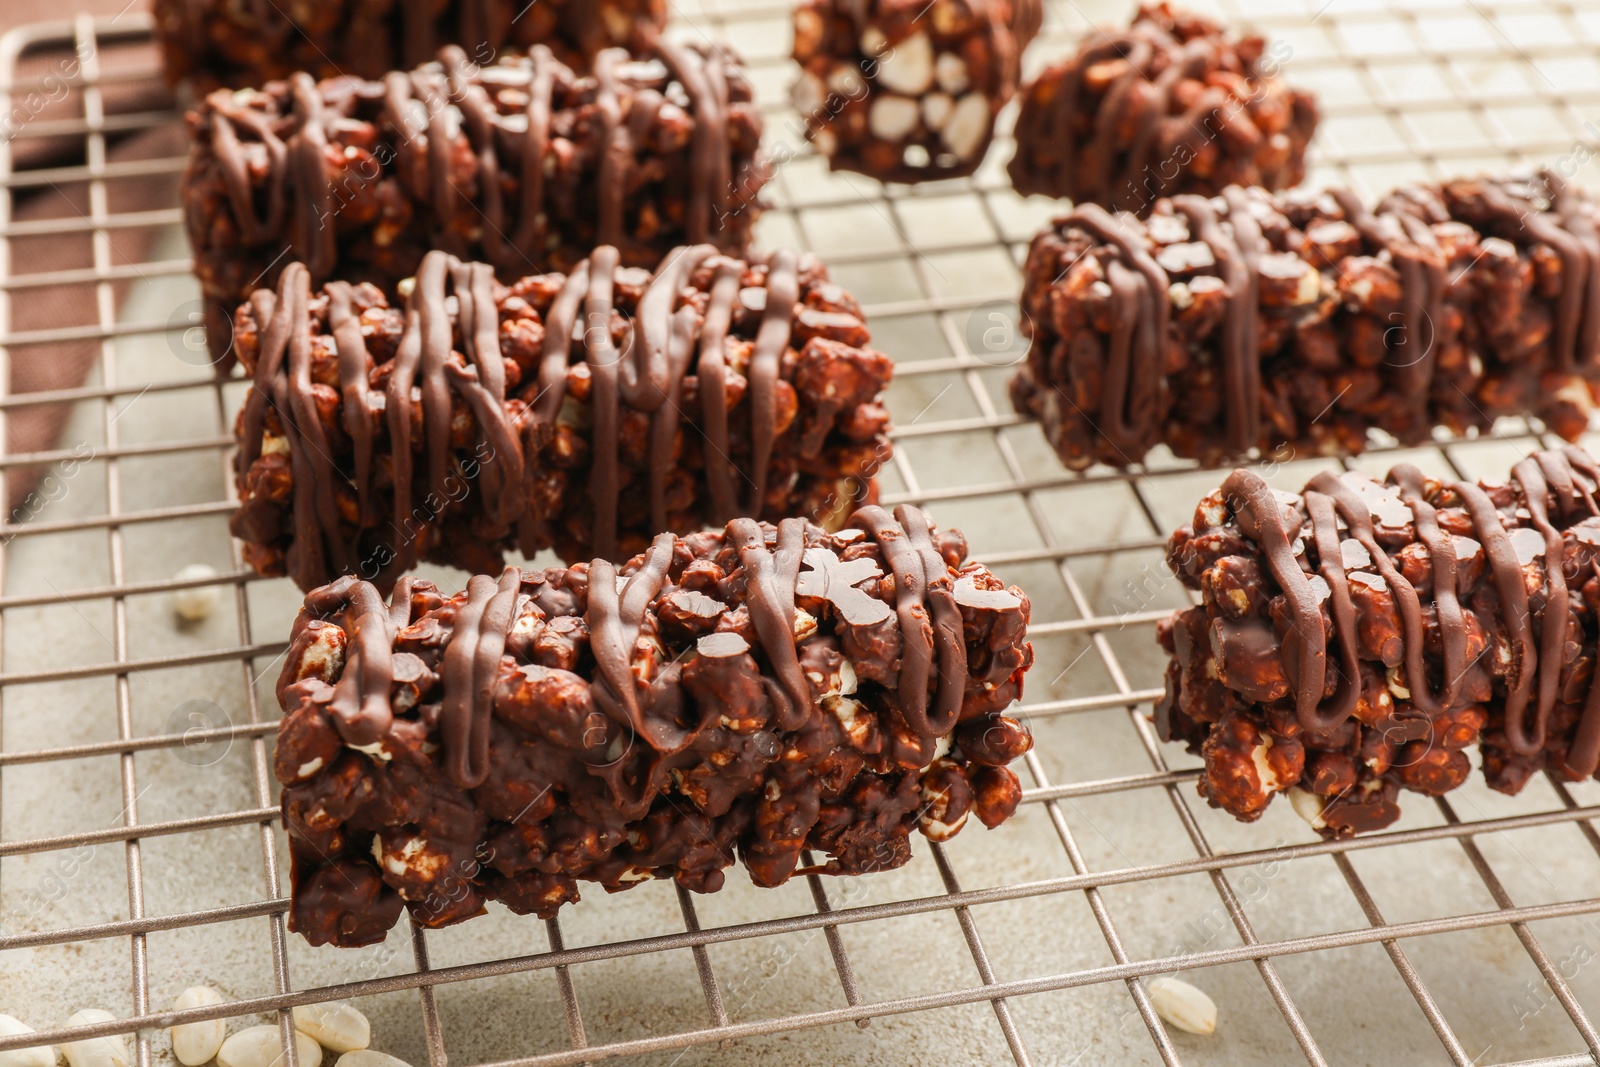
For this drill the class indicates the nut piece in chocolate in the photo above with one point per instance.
(752, 692)
(908, 92)
(1355, 639)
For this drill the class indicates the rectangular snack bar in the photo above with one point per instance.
(760, 690)
(1298, 323)
(908, 92)
(523, 164)
(1355, 638)
(585, 412)
(239, 45)
(1173, 104)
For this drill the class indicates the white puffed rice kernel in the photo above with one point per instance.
(95, 1051)
(337, 1027)
(38, 1056)
(369, 1058)
(197, 1043)
(1183, 1005)
(197, 603)
(260, 1046)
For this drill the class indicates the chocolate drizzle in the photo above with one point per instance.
(1238, 249)
(361, 706)
(769, 590)
(1105, 152)
(1556, 482)
(932, 663)
(1409, 244)
(427, 111)
(451, 352)
(282, 384)
(647, 375)
(1139, 310)
(929, 692)
(1093, 167)
(470, 669)
(707, 703)
(1135, 400)
(614, 618)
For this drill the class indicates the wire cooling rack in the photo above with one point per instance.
(140, 846)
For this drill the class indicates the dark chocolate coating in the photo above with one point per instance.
(524, 164)
(578, 412)
(244, 43)
(1359, 636)
(1298, 323)
(747, 691)
(1173, 104)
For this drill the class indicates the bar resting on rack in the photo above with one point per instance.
(586, 412)
(908, 92)
(759, 690)
(1298, 324)
(1173, 104)
(1356, 638)
(523, 164)
(226, 43)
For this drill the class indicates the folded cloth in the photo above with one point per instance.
(49, 80)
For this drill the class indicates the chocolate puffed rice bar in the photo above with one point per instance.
(906, 90)
(1173, 104)
(585, 412)
(756, 691)
(1356, 638)
(523, 164)
(1299, 323)
(217, 43)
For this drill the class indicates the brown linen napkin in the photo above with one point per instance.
(46, 92)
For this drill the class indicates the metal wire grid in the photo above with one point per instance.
(1025, 480)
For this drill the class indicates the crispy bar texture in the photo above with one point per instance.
(908, 91)
(1173, 104)
(586, 412)
(757, 691)
(227, 43)
(1354, 640)
(1299, 323)
(522, 164)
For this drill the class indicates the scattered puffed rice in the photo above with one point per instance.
(260, 1046)
(38, 1056)
(369, 1058)
(197, 603)
(1183, 1005)
(197, 1043)
(336, 1027)
(95, 1051)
